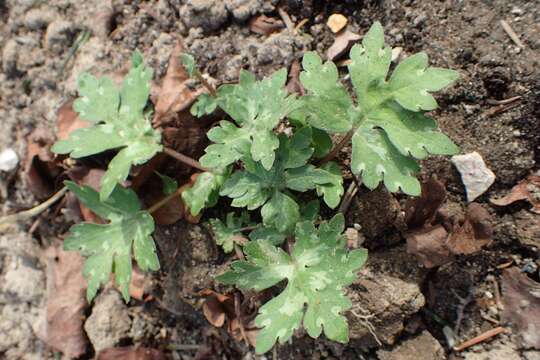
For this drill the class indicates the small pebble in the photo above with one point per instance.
(336, 22)
(475, 175)
(8, 160)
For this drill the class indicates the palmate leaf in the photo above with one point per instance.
(230, 232)
(390, 129)
(257, 107)
(109, 247)
(255, 186)
(119, 123)
(317, 270)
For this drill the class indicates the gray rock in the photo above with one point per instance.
(422, 347)
(36, 19)
(60, 34)
(207, 14)
(383, 297)
(109, 322)
(475, 175)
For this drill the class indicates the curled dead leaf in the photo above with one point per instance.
(294, 85)
(342, 43)
(475, 233)
(521, 298)
(265, 25)
(40, 169)
(217, 307)
(435, 237)
(429, 246)
(174, 94)
(422, 210)
(527, 189)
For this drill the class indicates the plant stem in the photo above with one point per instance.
(332, 154)
(165, 200)
(183, 158)
(248, 228)
(206, 84)
(26, 214)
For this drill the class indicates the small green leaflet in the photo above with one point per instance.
(108, 247)
(257, 107)
(119, 123)
(390, 129)
(316, 271)
(204, 193)
(255, 186)
(230, 232)
(169, 184)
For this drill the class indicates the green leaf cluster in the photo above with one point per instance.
(317, 270)
(109, 247)
(119, 122)
(256, 187)
(388, 125)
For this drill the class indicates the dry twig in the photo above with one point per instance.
(480, 338)
(512, 34)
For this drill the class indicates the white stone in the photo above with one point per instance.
(8, 160)
(475, 175)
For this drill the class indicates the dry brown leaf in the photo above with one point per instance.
(250, 331)
(294, 85)
(336, 22)
(40, 170)
(429, 246)
(342, 43)
(217, 308)
(422, 210)
(132, 353)
(473, 234)
(68, 121)
(66, 303)
(433, 245)
(528, 189)
(522, 306)
(136, 285)
(265, 25)
(174, 95)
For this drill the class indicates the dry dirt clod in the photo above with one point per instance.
(383, 299)
(422, 347)
(476, 176)
(109, 322)
(336, 22)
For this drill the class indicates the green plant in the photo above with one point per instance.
(258, 167)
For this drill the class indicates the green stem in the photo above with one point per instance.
(165, 200)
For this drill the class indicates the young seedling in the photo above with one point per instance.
(258, 167)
